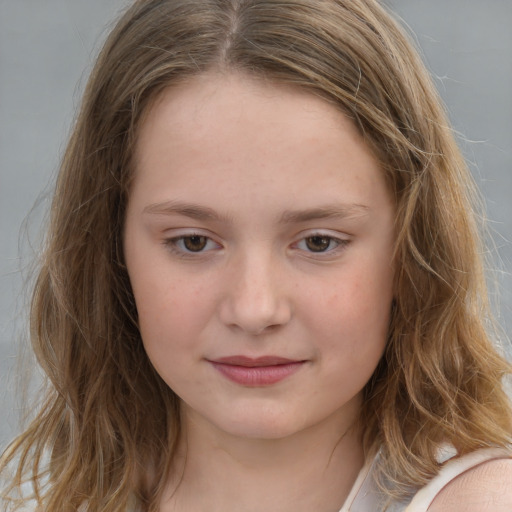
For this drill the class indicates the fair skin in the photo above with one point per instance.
(486, 488)
(259, 225)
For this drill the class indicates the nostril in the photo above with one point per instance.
(254, 319)
(266, 330)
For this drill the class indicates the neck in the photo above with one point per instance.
(313, 469)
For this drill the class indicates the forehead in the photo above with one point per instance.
(231, 133)
(202, 106)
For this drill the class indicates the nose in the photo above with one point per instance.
(254, 300)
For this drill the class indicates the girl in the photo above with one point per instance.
(261, 288)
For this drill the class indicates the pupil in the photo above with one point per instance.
(195, 243)
(318, 243)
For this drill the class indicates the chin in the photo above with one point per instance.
(262, 424)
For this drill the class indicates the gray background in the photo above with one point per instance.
(47, 47)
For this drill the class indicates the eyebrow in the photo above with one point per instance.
(336, 211)
(191, 210)
(197, 212)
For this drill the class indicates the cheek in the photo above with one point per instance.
(168, 308)
(353, 318)
(169, 326)
(363, 301)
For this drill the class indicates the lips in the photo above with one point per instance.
(256, 372)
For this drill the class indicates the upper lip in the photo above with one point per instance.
(251, 362)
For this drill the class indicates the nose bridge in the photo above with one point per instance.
(256, 299)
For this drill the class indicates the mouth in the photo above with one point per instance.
(256, 372)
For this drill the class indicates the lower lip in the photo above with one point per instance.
(257, 375)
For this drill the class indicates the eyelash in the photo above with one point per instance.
(339, 244)
(175, 245)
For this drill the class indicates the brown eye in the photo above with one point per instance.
(195, 243)
(318, 243)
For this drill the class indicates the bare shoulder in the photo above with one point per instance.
(484, 488)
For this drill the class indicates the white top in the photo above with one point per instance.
(366, 497)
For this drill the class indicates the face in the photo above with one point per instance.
(258, 240)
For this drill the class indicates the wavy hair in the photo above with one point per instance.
(109, 425)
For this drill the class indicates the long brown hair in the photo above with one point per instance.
(109, 425)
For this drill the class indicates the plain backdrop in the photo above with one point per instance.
(48, 46)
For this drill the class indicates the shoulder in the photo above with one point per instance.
(484, 488)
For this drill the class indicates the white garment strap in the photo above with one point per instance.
(357, 488)
(451, 470)
(365, 496)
